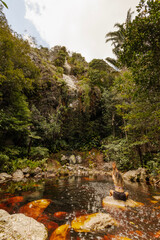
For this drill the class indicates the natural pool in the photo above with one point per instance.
(80, 195)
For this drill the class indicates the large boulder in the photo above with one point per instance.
(20, 227)
(93, 222)
(139, 175)
(18, 175)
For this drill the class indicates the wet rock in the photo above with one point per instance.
(61, 233)
(139, 175)
(93, 222)
(110, 201)
(4, 177)
(157, 197)
(72, 159)
(18, 175)
(20, 227)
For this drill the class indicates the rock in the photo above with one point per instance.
(157, 197)
(136, 175)
(18, 175)
(26, 170)
(4, 177)
(67, 68)
(20, 227)
(39, 175)
(72, 159)
(107, 166)
(37, 170)
(61, 233)
(64, 159)
(110, 201)
(93, 222)
(50, 174)
(79, 159)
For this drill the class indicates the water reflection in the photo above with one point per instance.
(78, 196)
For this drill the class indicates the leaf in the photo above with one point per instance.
(35, 209)
(61, 233)
(4, 4)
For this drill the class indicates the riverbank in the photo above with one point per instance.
(89, 165)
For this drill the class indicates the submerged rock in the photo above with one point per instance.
(110, 201)
(20, 227)
(93, 222)
(61, 233)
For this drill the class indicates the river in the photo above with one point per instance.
(80, 195)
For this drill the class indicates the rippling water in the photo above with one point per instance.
(77, 196)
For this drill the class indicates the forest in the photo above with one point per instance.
(113, 105)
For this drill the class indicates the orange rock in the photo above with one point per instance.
(61, 233)
(157, 235)
(92, 222)
(35, 209)
(60, 215)
(16, 199)
(153, 201)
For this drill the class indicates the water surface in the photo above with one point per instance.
(78, 196)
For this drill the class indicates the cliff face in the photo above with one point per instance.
(68, 95)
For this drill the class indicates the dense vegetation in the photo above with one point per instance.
(117, 111)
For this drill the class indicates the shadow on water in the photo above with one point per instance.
(78, 196)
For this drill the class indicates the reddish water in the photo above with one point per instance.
(76, 196)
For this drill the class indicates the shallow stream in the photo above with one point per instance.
(78, 196)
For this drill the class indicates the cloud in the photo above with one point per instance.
(80, 25)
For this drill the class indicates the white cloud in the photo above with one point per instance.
(80, 25)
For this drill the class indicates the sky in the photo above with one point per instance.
(79, 25)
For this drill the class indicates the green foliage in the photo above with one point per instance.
(4, 3)
(141, 47)
(61, 57)
(39, 153)
(119, 150)
(78, 64)
(100, 64)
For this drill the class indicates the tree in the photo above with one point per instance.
(4, 3)
(117, 38)
(141, 46)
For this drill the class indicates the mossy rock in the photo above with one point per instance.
(110, 201)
